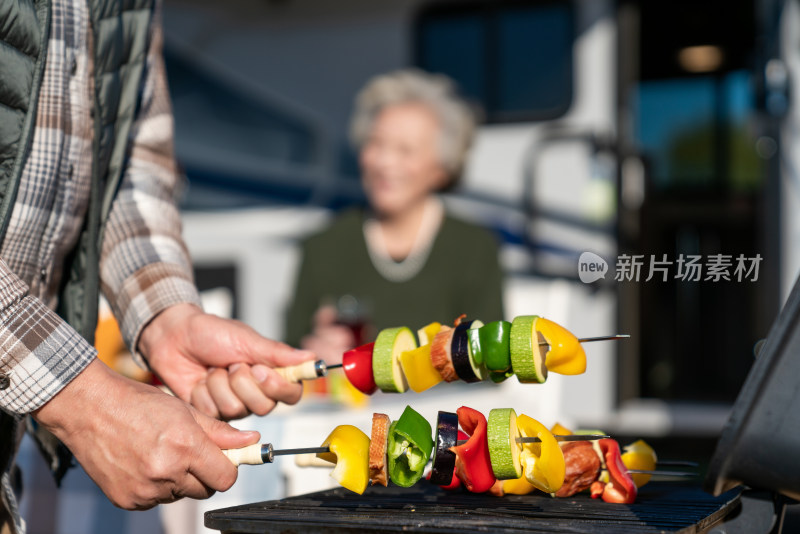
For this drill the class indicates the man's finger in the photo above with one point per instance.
(223, 435)
(244, 385)
(275, 387)
(202, 401)
(190, 487)
(209, 465)
(228, 404)
(275, 354)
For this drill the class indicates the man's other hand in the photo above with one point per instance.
(140, 445)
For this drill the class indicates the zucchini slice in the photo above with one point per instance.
(527, 356)
(386, 368)
(504, 451)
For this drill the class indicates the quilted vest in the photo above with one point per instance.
(122, 32)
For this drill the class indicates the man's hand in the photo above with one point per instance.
(140, 445)
(223, 367)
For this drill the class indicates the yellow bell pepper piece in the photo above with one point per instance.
(427, 333)
(521, 486)
(349, 450)
(417, 366)
(518, 486)
(560, 430)
(566, 355)
(639, 455)
(543, 462)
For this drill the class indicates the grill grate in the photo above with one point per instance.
(660, 507)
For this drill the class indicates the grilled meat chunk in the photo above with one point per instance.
(583, 467)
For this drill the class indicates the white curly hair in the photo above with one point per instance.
(457, 121)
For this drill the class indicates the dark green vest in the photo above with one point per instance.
(122, 33)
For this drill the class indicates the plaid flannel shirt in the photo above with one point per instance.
(144, 266)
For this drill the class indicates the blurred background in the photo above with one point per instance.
(626, 127)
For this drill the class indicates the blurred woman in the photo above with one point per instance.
(402, 261)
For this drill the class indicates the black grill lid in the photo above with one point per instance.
(760, 444)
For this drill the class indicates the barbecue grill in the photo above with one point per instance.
(660, 507)
(753, 474)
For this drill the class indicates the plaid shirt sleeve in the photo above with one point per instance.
(145, 265)
(39, 352)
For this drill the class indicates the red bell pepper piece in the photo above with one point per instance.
(620, 487)
(357, 365)
(473, 465)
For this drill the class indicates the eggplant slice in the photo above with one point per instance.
(444, 460)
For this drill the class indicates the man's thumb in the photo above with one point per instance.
(224, 435)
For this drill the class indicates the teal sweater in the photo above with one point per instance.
(462, 275)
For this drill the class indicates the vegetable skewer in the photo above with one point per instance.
(264, 453)
(613, 337)
(503, 454)
(317, 369)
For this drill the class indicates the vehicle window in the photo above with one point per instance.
(512, 58)
(696, 132)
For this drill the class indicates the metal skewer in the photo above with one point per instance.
(568, 437)
(662, 473)
(678, 463)
(265, 453)
(307, 450)
(600, 338)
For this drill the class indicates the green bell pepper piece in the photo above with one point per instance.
(410, 446)
(495, 340)
(500, 376)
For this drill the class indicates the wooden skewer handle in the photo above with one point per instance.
(303, 371)
(310, 460)
(250, 455)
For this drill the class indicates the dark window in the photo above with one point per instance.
(512, 58)
(696, 132)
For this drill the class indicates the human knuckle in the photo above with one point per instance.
(143, 496)
(162, 465)
(227, 479)
(125, 502)
(155, 471)
(240, 378)
(263, 406)
(233, 410)
(294, 395)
